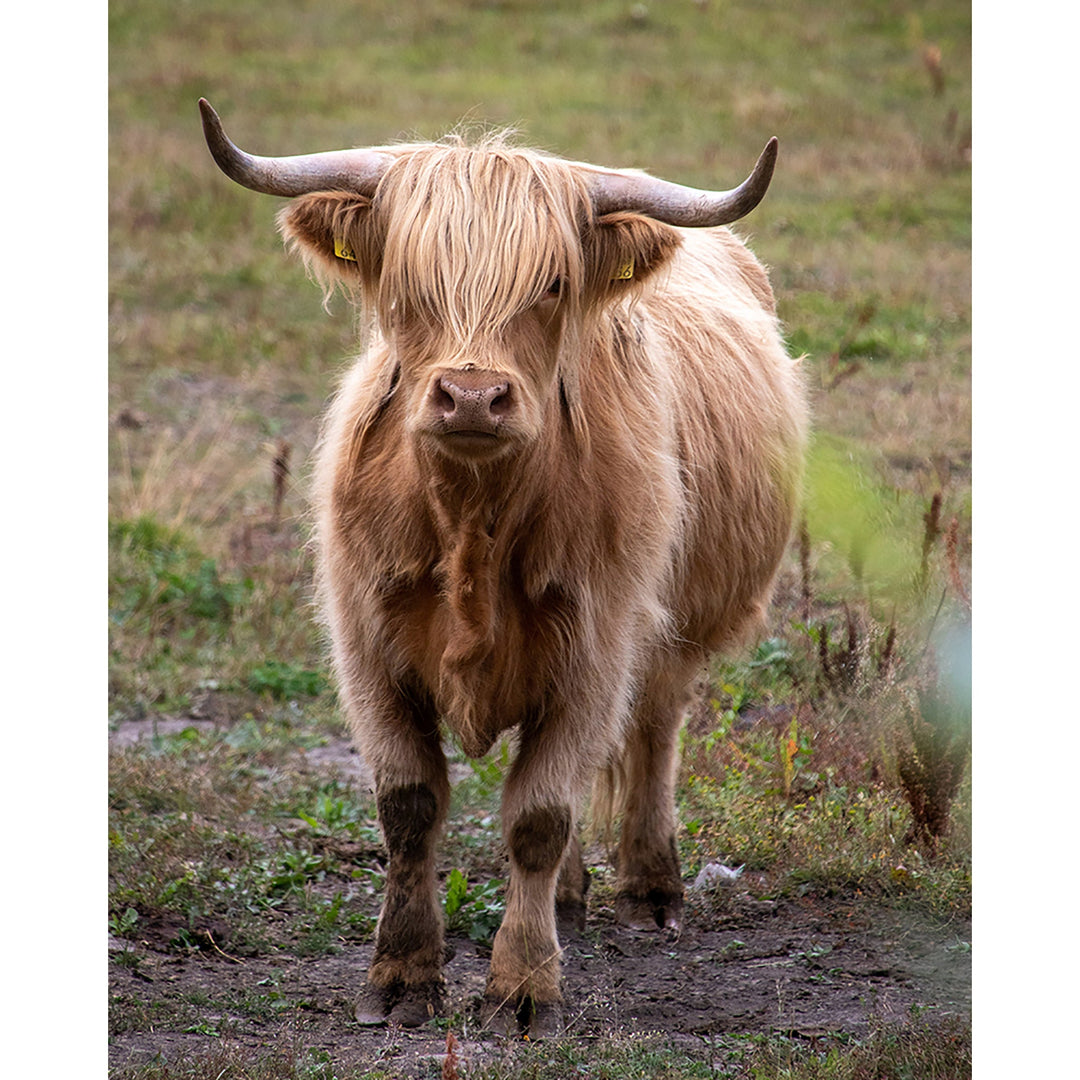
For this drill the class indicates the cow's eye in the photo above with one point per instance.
(555, 288)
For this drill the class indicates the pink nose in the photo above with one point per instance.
(471, 400)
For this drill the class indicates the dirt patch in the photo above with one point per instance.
(811, 967)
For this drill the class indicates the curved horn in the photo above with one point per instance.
(336, 170)
(678, 205)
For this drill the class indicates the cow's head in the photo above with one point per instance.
(483, 265)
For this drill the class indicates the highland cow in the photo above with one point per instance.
(562, 472)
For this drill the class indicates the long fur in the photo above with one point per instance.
(571, 586)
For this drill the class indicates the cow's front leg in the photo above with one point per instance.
(540, 800)
(523, 984)
(404, 983)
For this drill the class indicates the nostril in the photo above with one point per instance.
(443, 397)
(499, 403)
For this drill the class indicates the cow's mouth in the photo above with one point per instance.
(470, 441)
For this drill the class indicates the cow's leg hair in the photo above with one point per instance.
(404, 983)
(540, 798)
(571, 887)
(525, 954)
(649, 889)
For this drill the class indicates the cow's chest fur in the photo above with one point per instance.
(502, 598)
(487, 648)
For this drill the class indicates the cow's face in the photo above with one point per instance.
(480, 397)
(483, 268)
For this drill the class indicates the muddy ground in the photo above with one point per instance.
(812, 966)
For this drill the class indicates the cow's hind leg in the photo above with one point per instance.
(649, 888)
(404, 983)
(571, 887)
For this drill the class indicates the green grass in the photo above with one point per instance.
(922, 1049)
(220, 351)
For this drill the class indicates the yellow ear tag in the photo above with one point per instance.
(343, 251)
(625, 271)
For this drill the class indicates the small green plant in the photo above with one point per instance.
(476, 911)
(320, 932)
(123, 925)
(772, 653)
(203, 1029)
(202, 592)
(335, 810)
(294, 870)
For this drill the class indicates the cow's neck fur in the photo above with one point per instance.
(466, 544)
(469, 508)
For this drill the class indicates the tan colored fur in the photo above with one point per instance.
(572, 584)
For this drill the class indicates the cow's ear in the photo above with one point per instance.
(623, 249)
(334, 232)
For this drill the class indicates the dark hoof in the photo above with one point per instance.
(656, 911)
(524, 1019)
(499, 1017)
(546, 1020)
(409, 1006)
(417, 1005)
(373, 1005)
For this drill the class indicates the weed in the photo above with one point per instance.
(281, 474)
(295, 868)
(952, 550)
(932, 520)
(452, 1062)
(858, 662)
(933, 764)
(124, 925)
(334, 810)
(320, 931)
(167, 582)
(477, 910)
(283, 680)
(203, 1029)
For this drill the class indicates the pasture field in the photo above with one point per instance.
(831, 762)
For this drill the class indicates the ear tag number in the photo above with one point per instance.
(625, 272)
(343, 251)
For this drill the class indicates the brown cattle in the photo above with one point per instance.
(562, 472)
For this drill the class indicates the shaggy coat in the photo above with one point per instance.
(562, 472)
